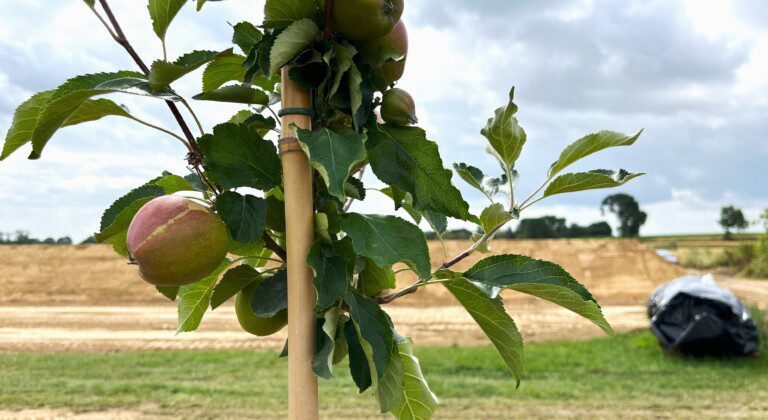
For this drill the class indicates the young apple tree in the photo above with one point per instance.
(202, 239)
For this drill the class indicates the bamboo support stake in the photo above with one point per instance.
(299, 212)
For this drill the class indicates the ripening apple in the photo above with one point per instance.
(176, 241)
(397, 107)
(391, 71)
(363, 20)
(251, 323)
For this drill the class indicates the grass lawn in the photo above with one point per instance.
(626, 375)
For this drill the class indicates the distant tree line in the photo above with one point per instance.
(21, 237)
(547, 227)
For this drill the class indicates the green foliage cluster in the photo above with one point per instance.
(556, 227)
(732, 218)
(353, 254)
(21, 237)
(627, 210)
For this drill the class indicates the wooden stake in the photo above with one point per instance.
(299, 215)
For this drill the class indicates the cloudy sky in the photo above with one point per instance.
(693, 74)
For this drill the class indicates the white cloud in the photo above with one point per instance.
(693, 73)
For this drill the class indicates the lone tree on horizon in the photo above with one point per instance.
(627, 209)
(732, 218)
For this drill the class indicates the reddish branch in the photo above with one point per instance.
(448, 264)
(121, 39)
(194, 157)
(328, 29)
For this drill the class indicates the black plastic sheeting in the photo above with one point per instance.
(694, 316)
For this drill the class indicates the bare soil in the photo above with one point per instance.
(85, 298)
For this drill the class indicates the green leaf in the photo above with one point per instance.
(60, 105)
(280, 13)
(493, 217)
(416, 401)
(322, 363)
(95, 109)
(24, 121)
(163, 73)
(223, 70)
(173, 183)
(137, 86)
(333, 155)
(271, 297)
(90, 3)
(238, 94)
(232, 282)
(355, 94)
(195, 298)
(403, 200)
(164, 185)
(476, 179)
(26, 115)
(250, 249)
(275, 218)
(170, 292)
(504, 133)
(490, 315)
(292, 41)
(375, 279)
(589, 144)
(390, 389)
(257, 61)
(388, 240)
(121, 223)
(592, 180)
(237, 156)
(246, 35)
(162, 13)
(471, 175)
(403, 157)
(149, 190)
(344, 54)
(359, 367)
(200, 3)
(331, 275)
(354, 188)
(374, 327)
(243, 214)
(538, 278)
(437, 221)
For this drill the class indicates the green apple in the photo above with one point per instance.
(363, 20)
(397, 107)
(394, 43)
(251, 323)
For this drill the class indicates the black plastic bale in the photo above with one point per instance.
(694, 316)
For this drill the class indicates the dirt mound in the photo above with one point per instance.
(87, 274)
(617, 271)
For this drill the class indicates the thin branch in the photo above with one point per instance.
(123, 41)
(448, 264)
(511, 189)
(532, 203)
(409, 290)
(253, 257)
(277, 118)
(140, 121)
(194, 116)
(541, 187)
(328, 27)
(274, 247)
(106, 25)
